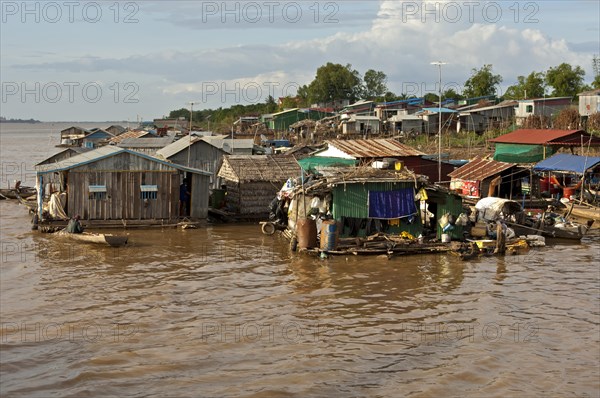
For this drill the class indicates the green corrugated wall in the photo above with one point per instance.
(351, 200)
(450, 204)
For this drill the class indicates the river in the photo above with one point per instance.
(225, 311)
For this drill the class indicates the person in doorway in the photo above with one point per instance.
(184, 198)
(74, 226)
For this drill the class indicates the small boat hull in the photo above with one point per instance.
(104, 239)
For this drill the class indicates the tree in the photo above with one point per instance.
(375, 84)
(270, 104)
(335, 82)
(482, 82)
(565, 80)
(532, 86)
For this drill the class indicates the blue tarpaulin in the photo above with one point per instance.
(568, 163)
(392, 204)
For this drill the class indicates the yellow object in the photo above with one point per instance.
(395, 222)
(406, 235)
(423, 194)
(398, 165)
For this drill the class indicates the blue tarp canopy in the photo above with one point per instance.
(568, 163)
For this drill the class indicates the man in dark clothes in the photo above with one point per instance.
(74, 226)
(184, 198)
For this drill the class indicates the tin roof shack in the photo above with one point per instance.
(589, 102)
(232, 147)
(130, 134)
(253, 181)
(115, 129)
(360, 125)
(116, 186)
(96, 139)
(364, 201)
(73, 136)
(196, 153)
(282, 121)
(533, 145)
(368, 151)
(539, 107)
(480, 119)
(431, 119)
(483, 177)
(405, 125)
(64, 154)
(147, 145)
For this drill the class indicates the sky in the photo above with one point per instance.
(138, 60)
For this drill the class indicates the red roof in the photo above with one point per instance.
(537, 136)
(479, 169)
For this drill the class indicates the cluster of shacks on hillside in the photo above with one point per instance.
(369, 180)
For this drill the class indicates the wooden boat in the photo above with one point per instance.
(12, 193)
(569, 230)
(550, 225)
(90, 237)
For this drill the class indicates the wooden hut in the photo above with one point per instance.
(112, 184)
(252, 181)
(483, 177)
(197, 153)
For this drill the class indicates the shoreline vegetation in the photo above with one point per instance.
(31, 121)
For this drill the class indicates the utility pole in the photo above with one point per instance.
(439, 64)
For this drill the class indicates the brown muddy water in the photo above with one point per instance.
(225, 311)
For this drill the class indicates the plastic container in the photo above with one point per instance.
(306, 230)
(446, 238)
(330, 233)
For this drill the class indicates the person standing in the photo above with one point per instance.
(184, 199)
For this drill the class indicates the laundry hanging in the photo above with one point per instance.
(392, 204)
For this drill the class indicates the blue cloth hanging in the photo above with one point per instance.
(392, 204)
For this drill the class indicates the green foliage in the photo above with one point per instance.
(482, 82)
(375, 84)
(532, 86)
(288, 103)
(565, 80)
(335, 82)
(451, 94)
(596, 82)
(270, 105)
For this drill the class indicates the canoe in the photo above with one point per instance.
(23, 192)
(90, 237)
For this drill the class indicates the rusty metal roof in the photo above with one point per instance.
(479, 169)
(374, 148)
(535, 136)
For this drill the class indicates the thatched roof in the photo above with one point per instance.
(244, 168)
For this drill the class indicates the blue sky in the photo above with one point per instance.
(110, 60)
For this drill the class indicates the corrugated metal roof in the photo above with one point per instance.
(374, 148)
(479, 169)
(566, 162)
(103, 153)
(177, 146)
(228, 144)
(534, 136)
(128, 134)
(154, 142)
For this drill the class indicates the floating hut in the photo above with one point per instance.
(112, 185)
(252, 181)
